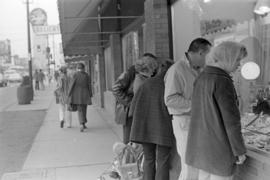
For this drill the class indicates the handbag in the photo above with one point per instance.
(57, 95)
(72, 107)
(121, 113)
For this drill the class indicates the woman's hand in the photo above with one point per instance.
(241, 159)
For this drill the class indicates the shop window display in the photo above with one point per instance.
(235, 20)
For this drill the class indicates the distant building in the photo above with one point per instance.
(5, 52)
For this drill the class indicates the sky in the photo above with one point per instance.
(13, 21)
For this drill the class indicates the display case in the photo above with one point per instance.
(256, 134)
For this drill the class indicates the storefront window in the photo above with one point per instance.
(227, 20)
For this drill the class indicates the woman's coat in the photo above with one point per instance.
(80, 91)
(215, 138)
(152, 122)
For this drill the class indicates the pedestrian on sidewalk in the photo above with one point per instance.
(41, 78)
(36, 78)
(215, 144)
(123, 92)
(179, 81)
(80, 93)
(63, 81)
(152, 125)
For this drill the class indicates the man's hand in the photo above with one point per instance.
(241, 159)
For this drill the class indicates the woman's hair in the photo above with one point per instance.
(226, 54)
(146, 65)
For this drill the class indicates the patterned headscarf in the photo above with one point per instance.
(225, 55)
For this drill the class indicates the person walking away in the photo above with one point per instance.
(80, 93)
(41, 78)
(65, 116)
(36, 78)
(178, 92)
(152, 125)
(56, 75)
(215, 143)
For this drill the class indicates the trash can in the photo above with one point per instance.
(25, 92)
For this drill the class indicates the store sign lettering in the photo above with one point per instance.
(46, 30)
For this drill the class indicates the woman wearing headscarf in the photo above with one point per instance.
(152, 125)
(80, 93)
(62, 86)
(215, 144)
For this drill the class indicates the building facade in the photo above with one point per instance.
(112, 35)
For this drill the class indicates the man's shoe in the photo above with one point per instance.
(62, 124)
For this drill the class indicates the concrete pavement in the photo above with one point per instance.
(67, 154)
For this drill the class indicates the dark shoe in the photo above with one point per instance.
(62, 124)
(81, 129)
(84, 126)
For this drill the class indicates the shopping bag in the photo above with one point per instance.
(57, 95)
(129, 166)
(72, 107)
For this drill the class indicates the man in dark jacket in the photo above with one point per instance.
(80, 94)
(152, 125)
(123, 92)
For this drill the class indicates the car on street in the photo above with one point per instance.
(3, 80)
(13, 76)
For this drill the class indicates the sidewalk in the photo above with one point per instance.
(67, 154)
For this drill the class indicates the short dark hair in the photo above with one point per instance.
(80, 66)
(199, 44)
(149, 55)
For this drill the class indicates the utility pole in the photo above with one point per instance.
(29, 44)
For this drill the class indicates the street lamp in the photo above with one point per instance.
(29, 42)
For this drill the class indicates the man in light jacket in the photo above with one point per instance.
(178, 92)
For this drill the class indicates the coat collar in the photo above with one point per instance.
(217, 71)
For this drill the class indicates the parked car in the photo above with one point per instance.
(13, 76)
(3, 80)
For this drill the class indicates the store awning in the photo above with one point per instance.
(86, 24)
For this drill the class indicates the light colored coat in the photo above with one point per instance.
(179, 81)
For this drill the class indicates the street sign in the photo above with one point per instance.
(46, 30)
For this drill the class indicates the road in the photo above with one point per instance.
(18, 130)
(8, 96)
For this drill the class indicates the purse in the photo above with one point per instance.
(57, 94)
(72, 107)
(121, 113)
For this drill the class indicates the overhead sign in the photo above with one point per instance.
(38, 17)
(46, 30)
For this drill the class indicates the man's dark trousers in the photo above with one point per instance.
(82, 113)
